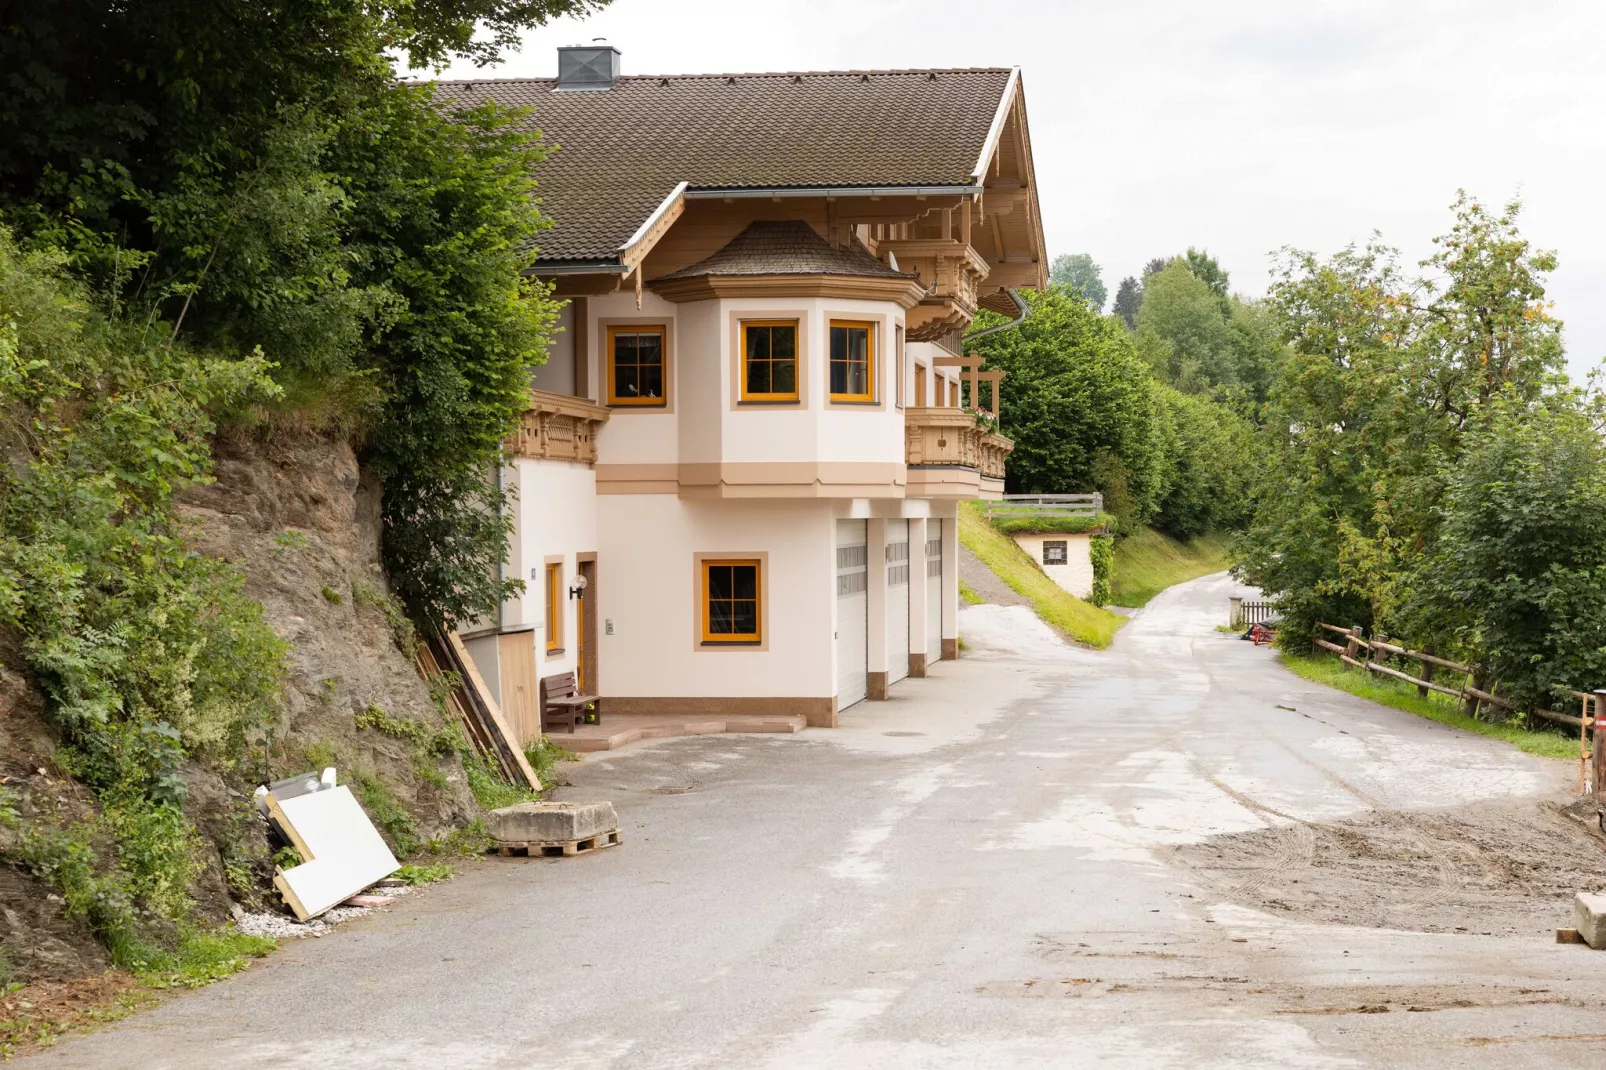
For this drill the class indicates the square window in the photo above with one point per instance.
(852, 361)
(731, 601)
(769, 360)
(1054, 552)
(636, 366)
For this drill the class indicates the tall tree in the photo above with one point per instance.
(1128, 298)
(1078, 273)
(1368, 413)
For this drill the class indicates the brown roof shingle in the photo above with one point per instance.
(623, 150)
(786, 248)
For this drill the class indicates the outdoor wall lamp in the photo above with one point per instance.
(579, 588)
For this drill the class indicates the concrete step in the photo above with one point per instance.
(606, 736)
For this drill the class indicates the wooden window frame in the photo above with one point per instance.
(743, 394)
(902, 363)
(554, 607)
(872, 361)
(616, 329)
(722, 639)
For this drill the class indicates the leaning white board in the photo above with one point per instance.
(342, 851)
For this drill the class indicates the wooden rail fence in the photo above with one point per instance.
(1069, 505)
(1472, 690)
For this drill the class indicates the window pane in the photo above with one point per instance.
(625, 383)
(758, 343)
(719, 581)
(719, 618)
(839, 377)
(839, 344)
(624, 349)
(758, 377)
(651, 380)
(858, 379)
(784, 343)
(745, 581)
(785, 378)
(745, 618)
(858, 344)
(649, 349)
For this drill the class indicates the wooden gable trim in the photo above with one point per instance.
(906, 292)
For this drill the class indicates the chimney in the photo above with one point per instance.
(584, 68)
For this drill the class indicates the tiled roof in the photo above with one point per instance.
(623, 150)
(786, 248)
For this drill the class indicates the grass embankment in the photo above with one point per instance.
(1148, 562)
(1082, 621)
(1323, 669)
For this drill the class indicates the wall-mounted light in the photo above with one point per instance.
(579, 588)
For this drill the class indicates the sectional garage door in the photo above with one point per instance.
(852, 612)
(933, 591)
(897, 600)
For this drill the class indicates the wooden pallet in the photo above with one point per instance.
(559, 848)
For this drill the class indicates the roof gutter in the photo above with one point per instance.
(1020, 303)
(778, 192)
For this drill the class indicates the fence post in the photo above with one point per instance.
(1479, 681)
(1427, 674)
(1352, 645)
(1235, 611)
(1598, 760)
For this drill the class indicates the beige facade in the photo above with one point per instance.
(1066, 559)
(755, 423)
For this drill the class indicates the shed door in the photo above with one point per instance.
(897, 600)
(852, 612)
(933, 591)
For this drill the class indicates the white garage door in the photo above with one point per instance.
(852, 611)
(933, 591)
(897, 600)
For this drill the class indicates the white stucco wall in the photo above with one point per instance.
(1076, 575)
(556, 376)
(556, 515)
(650, 591)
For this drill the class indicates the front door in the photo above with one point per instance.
(585, 626)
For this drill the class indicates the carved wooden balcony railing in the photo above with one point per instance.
(557, 427)
(953, 438)
(953, 270)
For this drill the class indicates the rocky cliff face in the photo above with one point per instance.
(295, 514)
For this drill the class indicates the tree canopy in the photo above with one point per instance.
(1078, 273)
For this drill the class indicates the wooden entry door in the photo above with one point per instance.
(585, 626)
(521, 704)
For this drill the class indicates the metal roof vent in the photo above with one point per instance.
(588, 67)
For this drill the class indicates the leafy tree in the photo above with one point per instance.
(247, 175)
(1519, 575)
(1367, 414)
(1128, 298)
(1080, 406)
(1155, 266)
(1078, 273)
(1182, 331)
(1205, 268)
(1211, 451)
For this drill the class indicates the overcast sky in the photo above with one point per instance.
(1238, 126)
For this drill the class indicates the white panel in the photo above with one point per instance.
(342, 851)
(933, 591)
(852, 612)
(898, 579)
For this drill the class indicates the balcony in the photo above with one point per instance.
(951, 455)
(952, 271)
(557, 427)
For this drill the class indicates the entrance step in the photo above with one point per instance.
(623, 729)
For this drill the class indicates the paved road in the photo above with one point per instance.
(1064, 859)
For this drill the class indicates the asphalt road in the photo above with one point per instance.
(1068, 858)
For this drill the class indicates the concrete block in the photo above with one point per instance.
(551, 821)
(1590, 910)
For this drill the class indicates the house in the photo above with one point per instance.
(737, 483)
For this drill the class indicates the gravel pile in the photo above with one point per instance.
(280, 927)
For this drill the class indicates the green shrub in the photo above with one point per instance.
(1102, 554)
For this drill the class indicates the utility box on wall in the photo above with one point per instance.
(1066, 559)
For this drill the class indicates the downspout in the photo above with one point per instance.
(1020, 303)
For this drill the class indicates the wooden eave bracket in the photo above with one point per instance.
(634, 251)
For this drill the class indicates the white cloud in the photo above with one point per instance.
(1239, 126)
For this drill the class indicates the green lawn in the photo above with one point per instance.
(1148, 562)
(1082, 621)
(1324, 669)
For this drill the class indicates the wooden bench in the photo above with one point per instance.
(562, 704)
